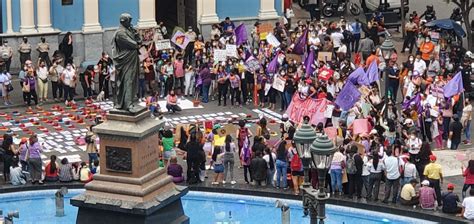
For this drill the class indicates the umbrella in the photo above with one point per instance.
(447, 24)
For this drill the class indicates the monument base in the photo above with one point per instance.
(131, 187)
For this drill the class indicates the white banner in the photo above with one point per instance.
(163, 44)
(220, 55)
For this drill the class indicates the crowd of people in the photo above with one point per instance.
(22, 163)
(419, 101)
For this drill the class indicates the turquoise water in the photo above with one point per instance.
(202, 208)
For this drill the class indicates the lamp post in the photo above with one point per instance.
(304, 137)
(314, 201)
(387, 49)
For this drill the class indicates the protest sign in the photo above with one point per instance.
(328, 111)
(272, 40)
(361, 126)
(143, 54)
(231, 50)
(220, 55)
(278, 83)
(324, 56)
(180, 39)
(331, 132)
(163, 44)
(313, 108)
(252, 64)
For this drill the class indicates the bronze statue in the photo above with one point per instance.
(126, 42)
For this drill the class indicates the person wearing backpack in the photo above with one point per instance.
(245, 158)
(242, 134)
(281, 165)
(91, 147)
(296, 166)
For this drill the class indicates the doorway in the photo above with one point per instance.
(180, 13)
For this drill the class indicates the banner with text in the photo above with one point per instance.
(313, 108)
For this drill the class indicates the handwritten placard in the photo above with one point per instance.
(180, 39)
(279, 83)
(265, 28)
(272, 40)
(231, 50)
(163, 44)
(220, 55)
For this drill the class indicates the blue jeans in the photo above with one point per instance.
(270, 174)
(336, 179)
(288, 97)
(205, 93)
(281, 168)
(467, 130)
(141, 88)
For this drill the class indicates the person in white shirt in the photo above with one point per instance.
(42, 73)
(392, 170)
(376, 167)
(68, 78)
(409, 171)
(5, 81)
(466, 120)
(270, 170)
(468, 206)
(337, 38)
(419, 65)
(365, 172)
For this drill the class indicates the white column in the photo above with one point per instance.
(147, 14)
(9, 17)
(27, 16)
(44, 16)
(91, 17)
(209, 14)
(267, 10)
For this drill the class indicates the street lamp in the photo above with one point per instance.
(304, 137)
(387, 48)
(322, 151)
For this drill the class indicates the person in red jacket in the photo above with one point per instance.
(51, 170)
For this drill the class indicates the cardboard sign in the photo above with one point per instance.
(324, 56)
(231, 50)
(328, 111)
(272, 40)
(180, 39)
(279, 83)
(220, 55)
(314, 108)
(163, 44)
(331, 132)
(294, 57)
(265, 28)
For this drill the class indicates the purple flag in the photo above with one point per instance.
(308, 63)
(358, 77)
(415, 100)
(240, 34)
(348, 96)
(454, 86)
(272, 67)
(301, 43)
(373, 72)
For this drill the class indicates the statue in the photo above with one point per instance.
(126, 42)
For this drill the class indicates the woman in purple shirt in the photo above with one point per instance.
(34, 162)
(32, 94)
(205, 76)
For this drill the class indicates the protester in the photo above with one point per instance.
(17, 177)
(258, 167)
(427, 196)
(468, 174)
(85, 174)
(229, 155)
(281, 165)
(468, 206)
(66, 171)
(434, 175)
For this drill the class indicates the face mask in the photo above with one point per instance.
(417, 60)
(427, 40)
(412, 137)
(69, 67)
(410, 59)
(395, 67)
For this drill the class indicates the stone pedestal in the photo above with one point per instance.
(130, 188)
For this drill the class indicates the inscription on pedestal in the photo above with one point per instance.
(118, 159)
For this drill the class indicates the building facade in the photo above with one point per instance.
(93, 22)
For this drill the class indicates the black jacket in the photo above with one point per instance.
(258, 166)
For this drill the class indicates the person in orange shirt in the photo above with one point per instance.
(426, 50)
(373, 57)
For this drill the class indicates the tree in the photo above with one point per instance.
(466, 7)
